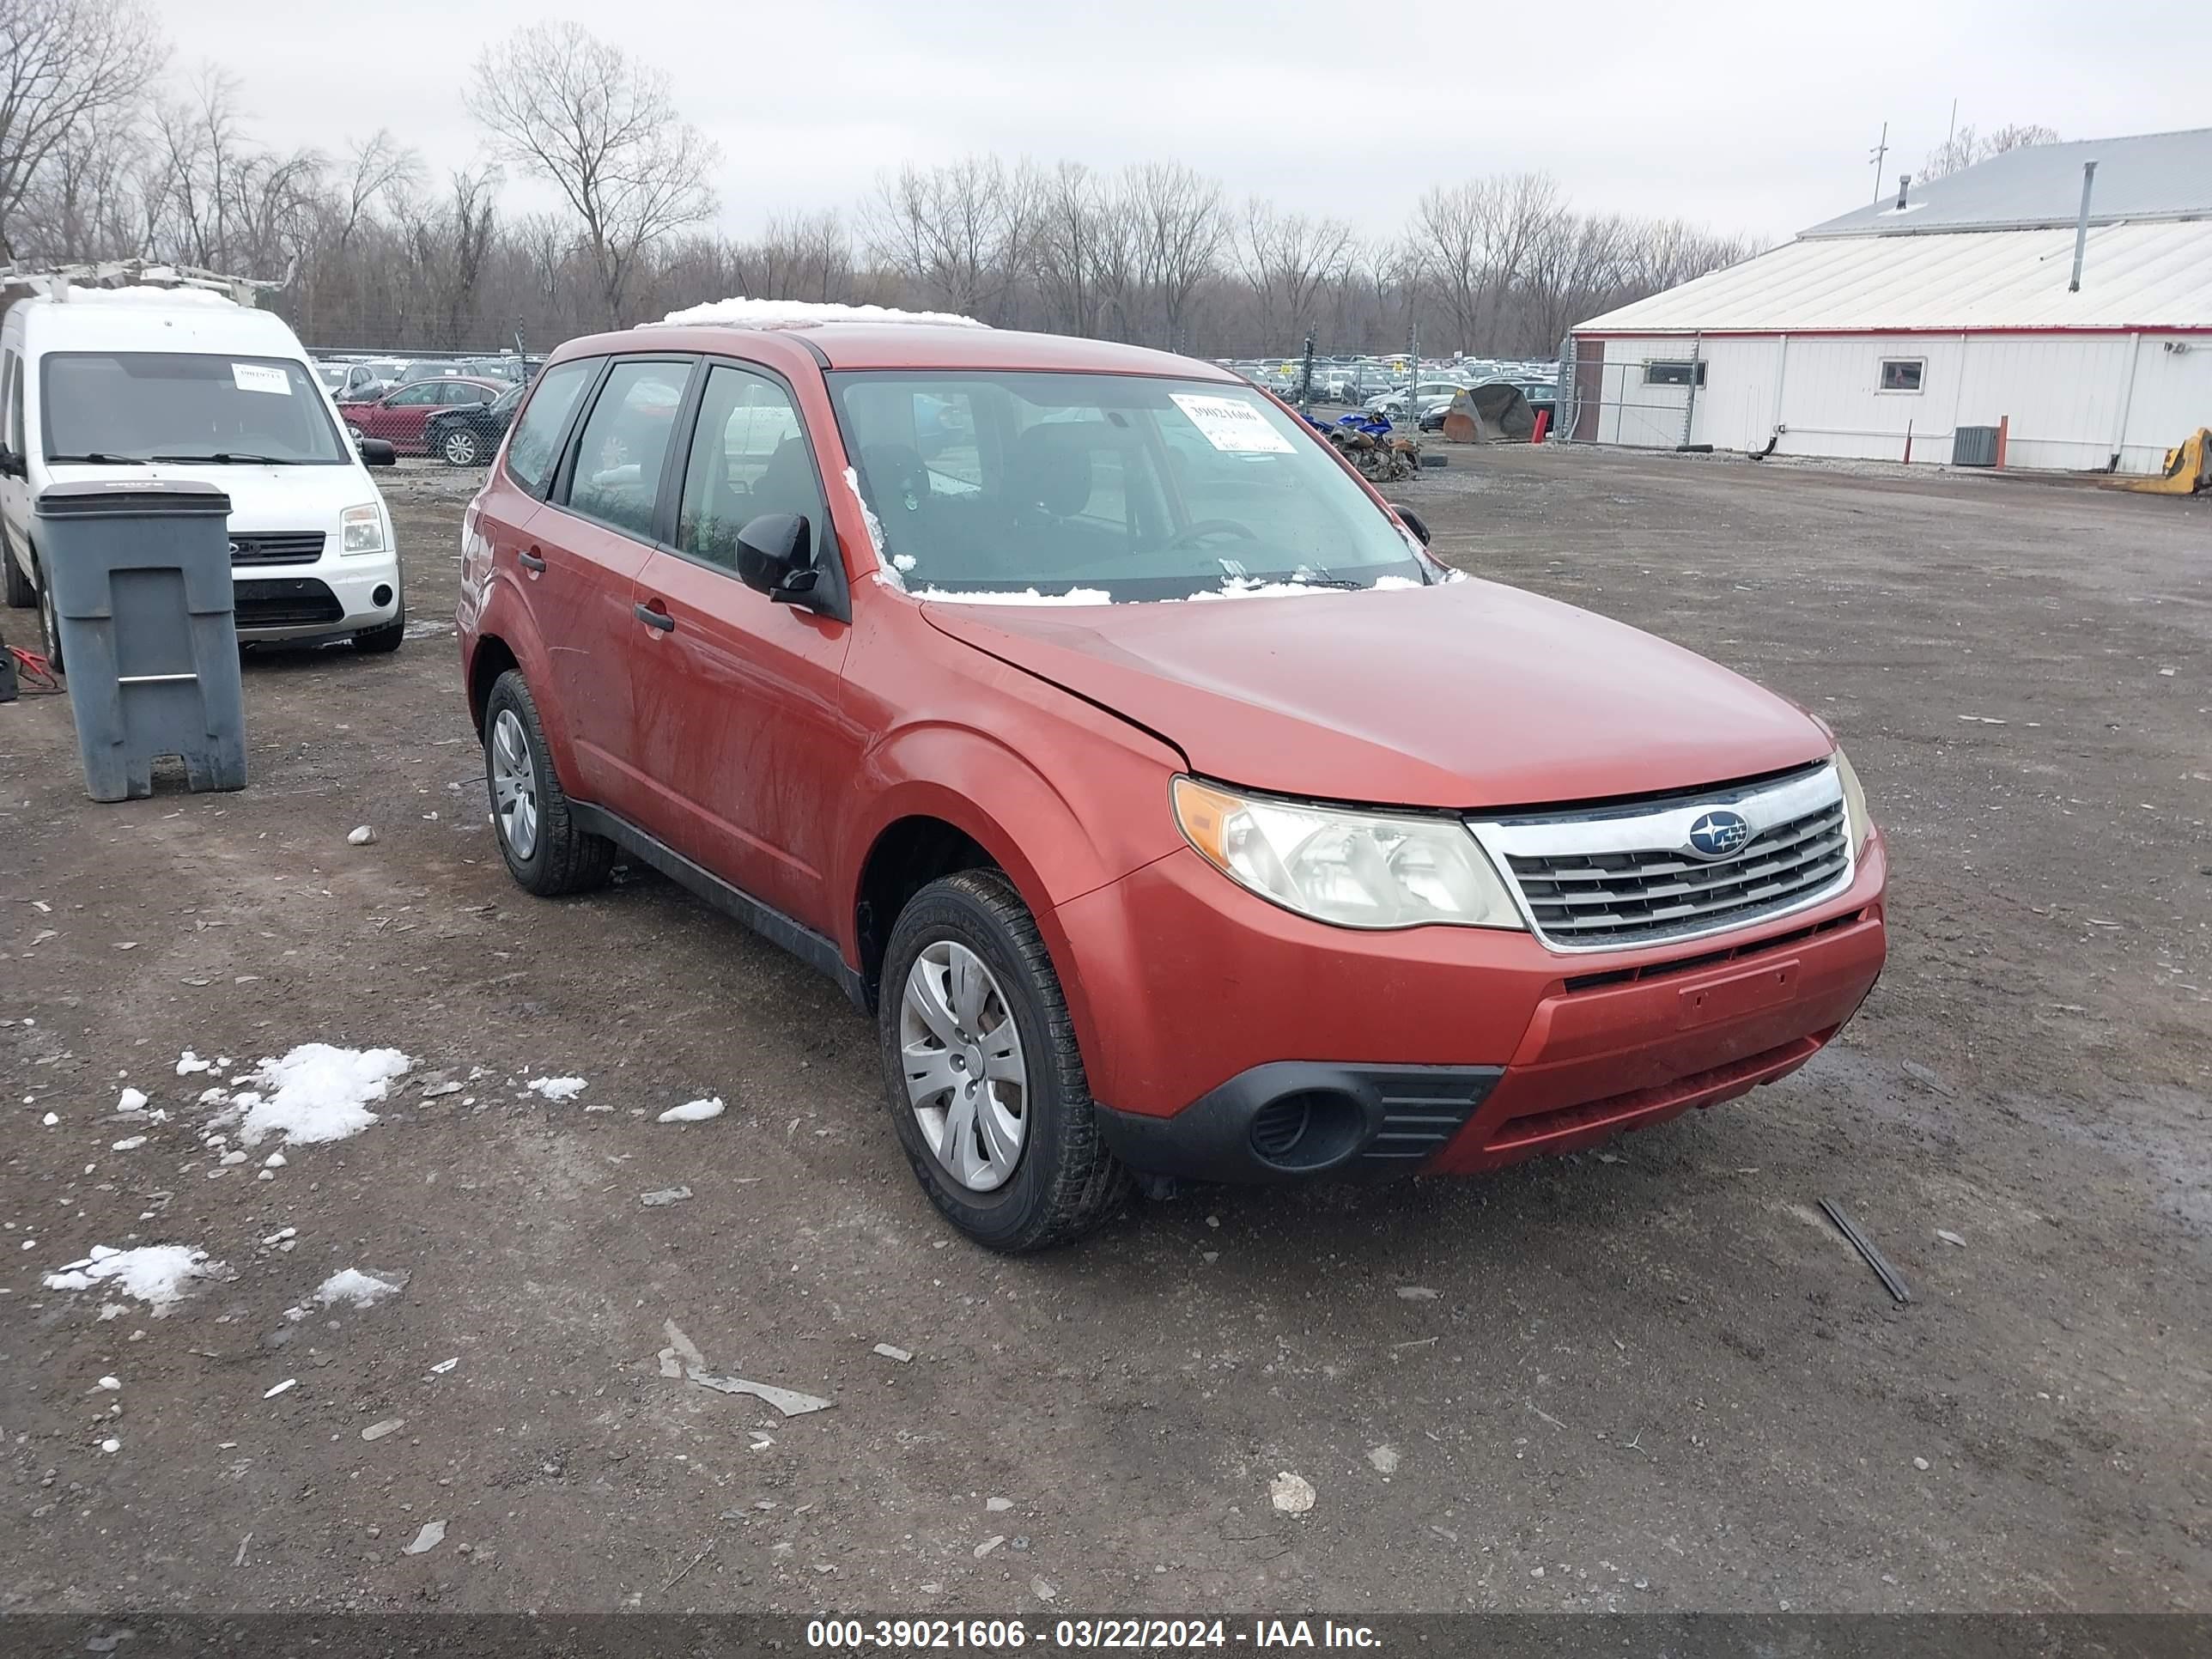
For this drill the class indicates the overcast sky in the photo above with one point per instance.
(1755, 118)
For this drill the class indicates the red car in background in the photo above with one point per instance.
(400, 416)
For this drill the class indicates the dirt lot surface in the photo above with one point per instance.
(1649, 1377)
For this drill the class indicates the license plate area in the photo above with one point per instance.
(1754, 991)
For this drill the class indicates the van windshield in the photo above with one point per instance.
(185, 406)
(1107, 487)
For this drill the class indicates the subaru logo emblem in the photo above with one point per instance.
(1719, 833)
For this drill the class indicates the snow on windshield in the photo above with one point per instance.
(787, 313)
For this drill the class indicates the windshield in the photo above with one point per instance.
(1098, 487)
(185, 406)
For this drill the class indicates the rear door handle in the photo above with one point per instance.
(653, 618)
(530, 561)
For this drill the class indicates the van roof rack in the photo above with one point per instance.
(55, 281)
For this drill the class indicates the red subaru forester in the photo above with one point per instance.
(1106, 738)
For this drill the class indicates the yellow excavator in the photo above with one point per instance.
(2188, 468)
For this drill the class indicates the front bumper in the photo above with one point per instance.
(1229, 1040)
(333, 597)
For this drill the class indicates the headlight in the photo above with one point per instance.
(1854, 806)
(1352, 869)
(361, 530)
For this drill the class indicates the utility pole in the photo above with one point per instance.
(1876, 155)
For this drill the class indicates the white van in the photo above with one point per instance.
(181, 383)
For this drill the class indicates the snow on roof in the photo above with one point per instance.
(2148, 276)
(2154, 175)
(741, 312)
(148, 296)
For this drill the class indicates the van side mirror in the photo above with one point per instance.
(12, 465)
(375, 451)
(1413, 521)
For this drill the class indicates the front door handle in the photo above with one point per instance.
(653, 618)
(530, 561)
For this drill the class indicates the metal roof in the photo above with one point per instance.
(2156, 175)
(2152, 277)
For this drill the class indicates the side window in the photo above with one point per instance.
(531, 453)
(461, 391)
(415, 397)
(748, 458)
(623, 443)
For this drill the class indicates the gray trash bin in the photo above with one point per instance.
(141, 574)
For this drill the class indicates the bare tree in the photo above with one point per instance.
(1290, 259)
(568, 106)
(960, 232)
(63, 64)
(802, 257)
(1476, 236)
(1967, 147)
(1180, 225)
(379, 167)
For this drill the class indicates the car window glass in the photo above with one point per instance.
(624, 442)
(415, 397)
(530, 454)
(748, 458)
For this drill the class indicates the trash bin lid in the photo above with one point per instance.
(134, 497)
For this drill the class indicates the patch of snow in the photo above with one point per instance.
(886, 569)
(904, 561)
(147, 295)
(1393, 584)
(316, 1093)
(1027, 596)
(128, 1144)
(354, 1286)
(157, 1274)
(557, 1088)
(50, 1119)
(692, 1111)
(130, 1100)
(798, 314)
(188, 1062)
(1250, 588)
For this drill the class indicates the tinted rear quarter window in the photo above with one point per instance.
(536, 444)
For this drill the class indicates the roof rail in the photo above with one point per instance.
(57, 281)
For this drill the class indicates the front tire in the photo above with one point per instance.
(461, 447)
(22, 592)
(50, 625)
(987, 1085)
(383, 638)
(545, 852)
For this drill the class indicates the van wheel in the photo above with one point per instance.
(987, 1087)
(544, 850)
(50, 625)
(22, 593)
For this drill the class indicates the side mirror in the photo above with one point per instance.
(12, 465)
(375, 451)
(776, 557)
(1413, 521)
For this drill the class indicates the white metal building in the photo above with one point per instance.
(1892, 323)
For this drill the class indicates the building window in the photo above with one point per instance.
(1678, 372)
(1902, 374)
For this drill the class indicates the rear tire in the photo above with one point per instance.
(461, 447)
(547, 855)
(1064, 1183)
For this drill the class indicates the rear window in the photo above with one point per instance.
(536, 444)
(185, 406)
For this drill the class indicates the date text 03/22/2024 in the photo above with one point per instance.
(1011, 1635)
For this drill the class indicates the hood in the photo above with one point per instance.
(261, 497)
(1468, 695)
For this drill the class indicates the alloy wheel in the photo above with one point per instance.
(513, 784)
(966, 1079)
(460, 447)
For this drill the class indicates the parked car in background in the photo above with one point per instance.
(401, 415)
(1428, 392)
(1228, 891)
(465, 434)
(350, 382)
(146, 385)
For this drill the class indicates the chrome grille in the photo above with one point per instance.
(1616, 877)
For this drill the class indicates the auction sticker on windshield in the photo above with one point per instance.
(1231, 425)
(259, 377)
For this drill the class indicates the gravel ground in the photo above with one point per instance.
(1648, 1377)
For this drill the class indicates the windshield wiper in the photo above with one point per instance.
(1312, 576)
(95, 458)
(231, 457)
